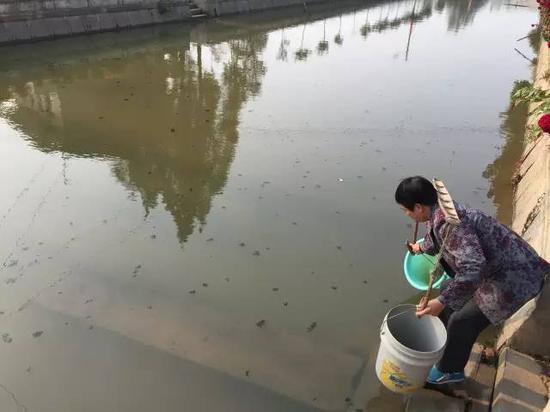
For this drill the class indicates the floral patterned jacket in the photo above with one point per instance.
(491, 263)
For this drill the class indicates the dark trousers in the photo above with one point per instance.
(463, 328)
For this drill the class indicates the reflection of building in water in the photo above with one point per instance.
(46, 105)
(168, 121)
(167, 112)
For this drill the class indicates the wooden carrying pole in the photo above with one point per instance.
(414, 238)
(451, 220)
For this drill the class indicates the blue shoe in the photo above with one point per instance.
(436, 377)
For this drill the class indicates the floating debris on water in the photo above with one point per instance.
(312, 326)
(260, 323)
(37, 334)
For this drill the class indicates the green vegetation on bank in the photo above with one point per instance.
(525, 92)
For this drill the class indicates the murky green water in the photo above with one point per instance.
(201, 217)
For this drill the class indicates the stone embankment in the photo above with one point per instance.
(33, 20)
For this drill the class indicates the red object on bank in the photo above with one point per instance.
(544, 122)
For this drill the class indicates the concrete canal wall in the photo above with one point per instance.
(223, 7)
(522, 381)
(531, 219)
(32, 20)
(29, 20)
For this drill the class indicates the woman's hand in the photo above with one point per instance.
(414, 248)
(433, 307)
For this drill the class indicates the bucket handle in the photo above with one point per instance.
(394, 316)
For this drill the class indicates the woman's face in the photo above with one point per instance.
(420, 213)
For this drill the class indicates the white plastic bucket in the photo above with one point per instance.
(409, 347)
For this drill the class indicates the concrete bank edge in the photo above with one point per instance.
(526, 331)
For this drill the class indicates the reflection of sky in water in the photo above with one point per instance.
(172, 187)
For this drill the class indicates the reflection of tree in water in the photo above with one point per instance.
(302, 53)
(365, 28)
(338, 39)
(242, 77)
(460, 12)
(323, 45)
(501, 171)
(419, 14)
(169, 126)
(282, 53)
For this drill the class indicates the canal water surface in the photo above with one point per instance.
(201, 217)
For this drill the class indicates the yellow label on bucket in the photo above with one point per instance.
(393, 378)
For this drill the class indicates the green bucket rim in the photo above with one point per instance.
(411, 279)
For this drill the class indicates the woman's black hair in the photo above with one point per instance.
(413, 190)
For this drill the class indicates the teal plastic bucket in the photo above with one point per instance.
(417, 270)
